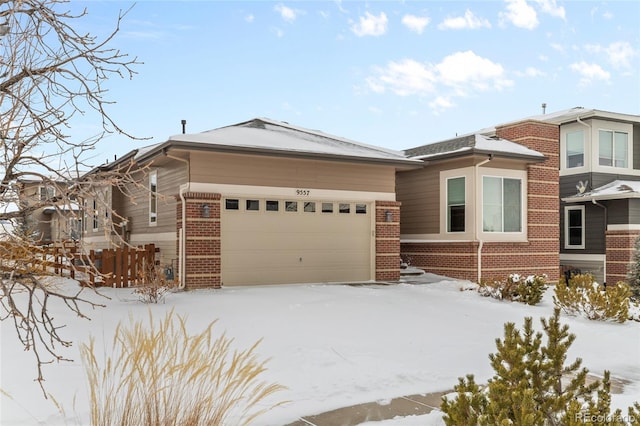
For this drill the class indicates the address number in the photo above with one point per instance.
(302, 192)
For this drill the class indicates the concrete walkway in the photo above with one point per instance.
(403, 406)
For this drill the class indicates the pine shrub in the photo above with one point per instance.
(532, 384)
(633, 276)
(516, 288)
(583, 296)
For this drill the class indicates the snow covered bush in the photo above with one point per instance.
(516, 288)
(161, 375)
(582, 295)
(156, 287)
(532, 385)
(633, 277)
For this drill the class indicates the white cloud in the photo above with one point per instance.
(459, 74)
(551, 8)
(619, 54)
(370, 25)
(531, 72)
(285, 12)
(277, 31)
(249, 18)
(468, 21)
(441, 103)
(590, 72)
(415, 23)
(520, 14)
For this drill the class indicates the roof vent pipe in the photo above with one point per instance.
(544, 108)
(184, 126)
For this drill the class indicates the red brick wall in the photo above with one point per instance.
(202, 240)
(387, 241)
(540, 254)
(620, 250)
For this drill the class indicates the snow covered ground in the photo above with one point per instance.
(331, 345)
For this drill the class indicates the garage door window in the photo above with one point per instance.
(232, 204)
(253, 205)
(291, 206)
(361, 209)
(344, 208)
(309, 206)
(272, 206)
(327, 207)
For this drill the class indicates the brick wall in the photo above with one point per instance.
(387, 241)
(620, 250)
(540, 254)
(202, 240)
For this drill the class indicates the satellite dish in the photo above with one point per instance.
(582, 186)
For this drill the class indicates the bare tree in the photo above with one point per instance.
(50, 75)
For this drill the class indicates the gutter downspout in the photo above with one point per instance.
(606, 225)
(181, 238)
(475, 217)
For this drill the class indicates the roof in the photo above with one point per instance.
(572, 114)
(616, 190)
(474, 144)
(266, 136)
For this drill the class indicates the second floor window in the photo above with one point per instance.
(502, 204)
(613, 148)
(153, 197)
(46, 192)
(94, 210)
(575, 149)
(455, 204)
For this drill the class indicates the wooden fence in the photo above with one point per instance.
(120, 267)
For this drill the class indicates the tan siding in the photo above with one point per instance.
(419, 193)
(288, 172)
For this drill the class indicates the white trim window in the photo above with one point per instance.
(574, 227)
(502, 204)
(456, 204)
(613, 148)
(46, 192)
(575, 149)
(153, 198)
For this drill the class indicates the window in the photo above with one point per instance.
(575, 149)
(272, 205)
(252, 205)
(361, 209)
(94, 212)
(309, 206)
(46, 192)
(291, 206)
(232, 204)
(344, 207)
(327, 207)
(574, 227)
(613, 148)
(153, 197)
(455, 204)
(501, 205)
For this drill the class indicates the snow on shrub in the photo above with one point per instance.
(516, 288)
(583, 296)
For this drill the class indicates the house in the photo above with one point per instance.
(259, 202)
(50, 216)
(482, 207)
(599, 190)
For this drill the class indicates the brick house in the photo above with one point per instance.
(262, 202)
(484, 205)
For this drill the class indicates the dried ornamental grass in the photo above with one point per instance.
(161, 375)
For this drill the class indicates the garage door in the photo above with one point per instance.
(279, 241)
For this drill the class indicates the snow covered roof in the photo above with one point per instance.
(473, 144)
(616, 190)
(263, 135)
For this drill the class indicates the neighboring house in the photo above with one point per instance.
(592, 164)
(50, 217)
(261, 202)
(599, 189)
(484, 205)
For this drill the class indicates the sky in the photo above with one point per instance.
(396, 74)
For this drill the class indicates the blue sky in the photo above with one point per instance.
(391, 73)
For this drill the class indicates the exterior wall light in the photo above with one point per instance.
(206, 210)
(388, 216)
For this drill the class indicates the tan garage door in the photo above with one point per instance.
(275, 241)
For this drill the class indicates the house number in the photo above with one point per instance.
(302, 192)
